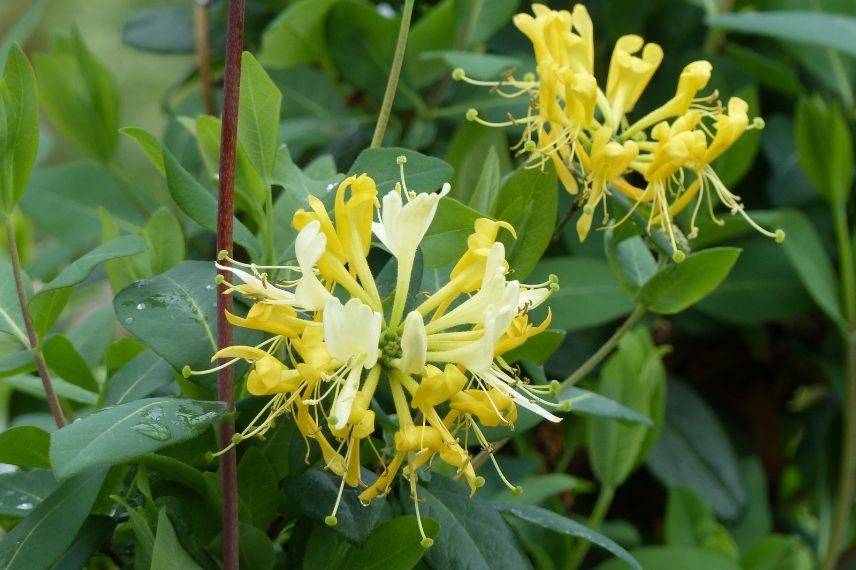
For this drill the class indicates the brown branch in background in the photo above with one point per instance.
(225, 215)
(32, 337)
(203, 54)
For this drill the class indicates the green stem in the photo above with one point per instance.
(847, 473)
(604, 500)
(270, 249)
(604, 350)
(394, 73)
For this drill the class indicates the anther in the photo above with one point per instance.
(222, 254)
(426, 543)
(331, 520)
(219, 279)
(588, 209)
(237, 438)
(530, 146)
(472, 114)
(779, 235)
(185, 371)
(679, 256)
(401, 159)
(529, 77)
(758, 123)
(458, 74)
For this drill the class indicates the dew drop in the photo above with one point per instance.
(152, 430)
(24, 506)
(129, 320)
(209, 287)
(141, 306)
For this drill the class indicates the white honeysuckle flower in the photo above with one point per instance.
(402, 226)
(533, 297)
(414, 344)
(309, 246)
(352, 331)
(496, 378)
(260, 288)
(494, 292)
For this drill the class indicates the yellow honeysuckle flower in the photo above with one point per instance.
(662, 161)
(334, 344)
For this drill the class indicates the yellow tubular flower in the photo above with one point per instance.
(629, 74)
(333, 343)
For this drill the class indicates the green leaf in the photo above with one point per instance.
(149, 144)
(806, 27)
(393, 545)
(18, 362)
(72, 217)
(592, 404)
(45, 535)
(539, 488)
(679, 285)
(11, 319)
(768, 71)
(257, 485)
(166, 30)
(143, 375)
(434, 30)
(19, 128)
(296, 36)
(422, 173)
(675, 557)
(315, 493)
(550, 520)
(634, 376)
(123, 432)
(588, 294)
(487, 187)
(21, 29)
(22, 491)
(690, 522)
(63, 358)
(762, 287)
(95, 531)
(193, 199)
(446, 240)
(48, 303)
(120, 272)
(631, 261)
(80, 96)
(538, 349)
(258, 117)
(166, 241)
(25, 446)
(484, 66)
(33, 386)
(693, 451)
(472, 533)
(175, 315)
(756, 520)
(811, 262)
(467, 151)
(825, 148)
(478, 20)
(528, 201)
(168, 553)
(778, 552)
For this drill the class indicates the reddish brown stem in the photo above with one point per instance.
(32, 337)
(225, 214)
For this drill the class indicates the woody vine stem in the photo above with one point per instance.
(225, 214)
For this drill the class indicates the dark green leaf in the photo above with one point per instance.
(446, 239)
(814, 28)
(160, 30)
(22, 491)
(694, 451)
(33, 386)
(690, 522)
(25, 446)
(315, 493)
(44, 536)
(166, 241)
(484, 66)
(550, 520)
(168, 553)
(175, 315)
(63, 358)
(257, 485)
(393, 545)
(825, 148)
(296, 36)
(143, 375)
(467, 151)
(540, 488)
(422, 173)
(656, 557)
(472, 533)
(679, 285)
(778, 552)
(48, 303)
(591, 404)
(527, 200)
(122, 432)
(258, 118)
(96, 530)
(588, 294)
(631, 261)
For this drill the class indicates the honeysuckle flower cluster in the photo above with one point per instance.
(661, 161)
(336, 343)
